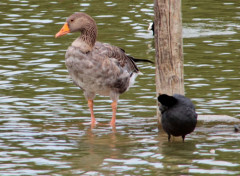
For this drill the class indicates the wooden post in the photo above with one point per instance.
(169, 50)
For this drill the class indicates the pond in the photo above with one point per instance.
(44, 118)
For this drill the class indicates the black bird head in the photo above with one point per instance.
(167, 100)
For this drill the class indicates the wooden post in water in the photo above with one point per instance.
(169, 50)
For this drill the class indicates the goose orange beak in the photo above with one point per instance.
(65, 29)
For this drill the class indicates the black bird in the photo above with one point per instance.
(151, 27)
(178, 115)
(236, 128)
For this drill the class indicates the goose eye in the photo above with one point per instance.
(71, 20)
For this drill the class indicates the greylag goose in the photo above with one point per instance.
(178, 115)
(95, 67)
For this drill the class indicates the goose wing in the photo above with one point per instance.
(121, 58)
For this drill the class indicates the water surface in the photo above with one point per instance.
(44, 118)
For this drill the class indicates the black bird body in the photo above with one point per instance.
(178, 115)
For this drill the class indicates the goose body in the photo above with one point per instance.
(98, 72)
(95, 67)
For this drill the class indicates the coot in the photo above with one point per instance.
(178, 115)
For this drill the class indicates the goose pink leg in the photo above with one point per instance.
(90, 105)
(114, 111)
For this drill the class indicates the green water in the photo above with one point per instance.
(44, 118)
